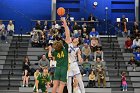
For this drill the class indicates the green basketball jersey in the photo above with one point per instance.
(61, 57)
(43, 79)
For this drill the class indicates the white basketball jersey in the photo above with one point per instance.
(72, 53)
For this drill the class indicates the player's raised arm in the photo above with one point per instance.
(67, 31)
(80, 59)
(50, 51)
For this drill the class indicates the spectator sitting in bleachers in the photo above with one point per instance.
(84, 32)
(35, 40)
(94, 43)
(43, 40)
(4, 35)
(86, 40)
(52, 65)
(101, 78)
(98, 64)
(136, 30)
(43, 62)
(98, 54)
(2, 26)
(26, 70)
(38, 25)
(86, 67)
(137, 56)
(91, 82)
(128, 44)
(94, 33)
(10, 28)
(136, 43)
(76, 27)
(133, 63)
(86, 52)
(46, 26)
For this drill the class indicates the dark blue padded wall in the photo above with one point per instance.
(116, 8)
(23, 11)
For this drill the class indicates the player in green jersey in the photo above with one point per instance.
(42, 81)
(61, 55)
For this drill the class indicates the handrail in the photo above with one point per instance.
(68, 21)
(6, 20)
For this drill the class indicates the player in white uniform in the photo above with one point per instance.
(74, 57)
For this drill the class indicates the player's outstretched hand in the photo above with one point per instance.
(64, 23)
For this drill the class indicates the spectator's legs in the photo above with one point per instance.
(99, 82)
(104, 82)
(27, 80)
(24, 79)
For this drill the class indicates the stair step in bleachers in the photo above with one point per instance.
(134, 74)
(88, 90)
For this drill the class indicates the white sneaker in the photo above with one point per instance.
(22, 85)
(26, 85)
(123, 89)
(84, 75)
(134, 69)
(126, 90)
(6, 42)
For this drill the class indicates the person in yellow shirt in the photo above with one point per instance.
(91, 77)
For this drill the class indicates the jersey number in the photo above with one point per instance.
(60, 55)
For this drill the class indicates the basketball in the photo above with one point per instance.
(60, 11)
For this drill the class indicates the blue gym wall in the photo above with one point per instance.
(23, 11)
(82, 8)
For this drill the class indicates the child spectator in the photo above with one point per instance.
(128, 44)
(52, 65)
(133, 63)
(124, 83)
(91, 82)
(2, 26)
